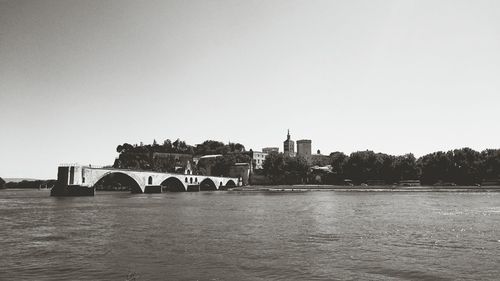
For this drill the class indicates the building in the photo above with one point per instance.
(240, 171)
(206, 163)
(270, 149)
(258, 158)
(304, 149)
(289, 146)
(320, 159)
(321, 174)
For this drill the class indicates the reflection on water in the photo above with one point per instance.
(250, 236)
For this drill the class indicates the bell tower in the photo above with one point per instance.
(289, 145)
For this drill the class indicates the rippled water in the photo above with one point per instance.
(250, 236)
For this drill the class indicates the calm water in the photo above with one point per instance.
(250, 236)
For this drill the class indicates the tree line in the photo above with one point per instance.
(28, 184)
(460, 166)
(143, 156)
(179, 146)
(463, 166)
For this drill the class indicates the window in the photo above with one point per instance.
(71, 175)
(150, 180)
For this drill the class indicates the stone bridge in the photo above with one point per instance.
(78, 180)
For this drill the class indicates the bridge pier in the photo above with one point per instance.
(161, 189)
(193, 188)
(72, 190)
(152, 189)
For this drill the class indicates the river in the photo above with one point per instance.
(230, 235)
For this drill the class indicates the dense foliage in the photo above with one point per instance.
(460, 166)
(31, 184)
(2, 183)
(142, 157)
(211, 147)
(367, 165)
(168, 146)
(180, 147)
(283, 169)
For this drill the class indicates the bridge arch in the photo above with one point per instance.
(230, 183)
(173, 184)
(118, 180)
(207, 184)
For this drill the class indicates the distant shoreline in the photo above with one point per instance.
(340, 188)
(388, 188)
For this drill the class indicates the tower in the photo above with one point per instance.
(304, 149)
(289, 145)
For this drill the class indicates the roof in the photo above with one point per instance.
(211, 156)
(327, 168)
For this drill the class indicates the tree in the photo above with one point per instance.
(405, 167)
(2, 183)
(236, 147)
(466, 169)
(387, 170)
(210, 147)
(490, 164)
(461, 166)
(338, 162)
(167, 145)
(296, 169)
(363, 165)
(119, 148)
(274, 167)
(128, 147)
(435, 167)
(283, 169)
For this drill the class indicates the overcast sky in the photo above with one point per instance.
(77, 78)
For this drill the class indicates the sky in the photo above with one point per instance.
(77, 78)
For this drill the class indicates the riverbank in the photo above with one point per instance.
(388, 188)
(30, 184)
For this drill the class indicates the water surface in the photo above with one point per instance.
(250, 236)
